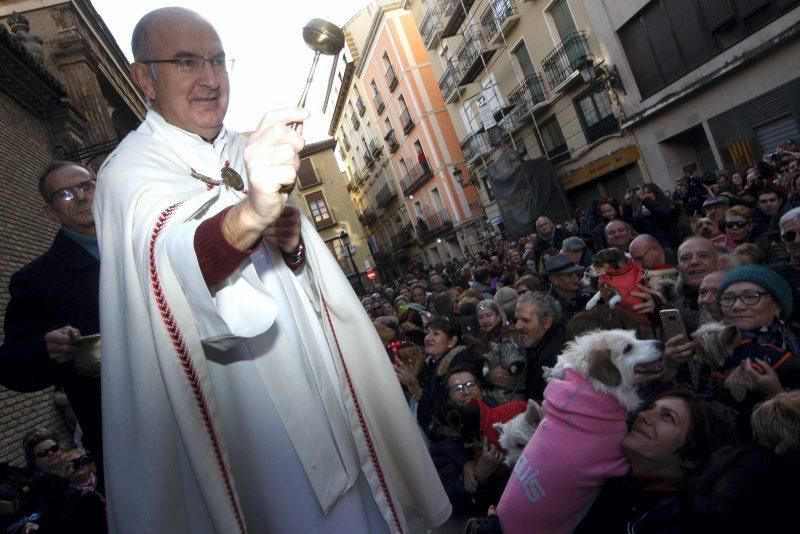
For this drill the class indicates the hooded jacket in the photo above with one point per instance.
(574, 450)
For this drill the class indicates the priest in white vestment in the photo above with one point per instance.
(244, 387)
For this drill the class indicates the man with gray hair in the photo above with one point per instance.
(542, 335)
(790, 235)
(576, 250)
(547, 237)
(238, 395)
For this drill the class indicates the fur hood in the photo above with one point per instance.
(447, 360)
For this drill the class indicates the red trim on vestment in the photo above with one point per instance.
(363, 423)
(182, 351)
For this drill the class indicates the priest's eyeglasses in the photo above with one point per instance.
(192, 64)
(464, 388)
(67, 194)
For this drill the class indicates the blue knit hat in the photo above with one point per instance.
(765, 277)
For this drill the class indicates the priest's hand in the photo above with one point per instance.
(284, 233)
(60, 343)
(272, 160)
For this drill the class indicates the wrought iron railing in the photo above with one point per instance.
(405, 121)
(495, 16)
(566, 58)
(391, 140)
(605, 126)
(414, 178)
(401, 238)
(448, 83)
(391, 79)
(430, 28)
(476, 145)
(386, 195)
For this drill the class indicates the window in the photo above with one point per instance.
(554, 143)
(669, 38)
(597, 116)
(306, 174)
(319, 210)
(524, 60)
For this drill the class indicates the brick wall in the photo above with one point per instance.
(24, 234)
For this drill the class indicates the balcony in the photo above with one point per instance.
(391, 79)
(476, 145)
(473, 55)
(402, 238)
(454, 15)
(386, 195)
(432, 224)
(414, 178)
(430, 29)
(523, 98)
(374, 148)
(360, 107)
(406, 122)
(605, 126)
(391, 140)
(367, 217)
(346, 144)
(355, 121)
(369, 161)
(377, 101)
(448, 83)
(566, 58)
(499, 19)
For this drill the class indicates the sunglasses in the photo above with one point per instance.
(44, 453)
(736, 224)
(789, 236)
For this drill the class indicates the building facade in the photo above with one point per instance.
(399, 146)
(64, 94)
(712, 84)
(532, 80)
(322, 194)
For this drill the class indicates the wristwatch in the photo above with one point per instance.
(295, 260)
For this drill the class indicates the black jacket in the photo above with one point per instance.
(59, 288)
(545, 352)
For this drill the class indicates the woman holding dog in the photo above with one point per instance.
(443, 351)
(670, 441)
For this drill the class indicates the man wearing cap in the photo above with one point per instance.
(564, 278)
(715, 208)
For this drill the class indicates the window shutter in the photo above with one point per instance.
(717, 12)
(306, 174)
(640, 57)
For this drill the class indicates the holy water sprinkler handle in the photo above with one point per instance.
(322, 37)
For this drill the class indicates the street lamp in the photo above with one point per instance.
(601, 77)
(345, 239)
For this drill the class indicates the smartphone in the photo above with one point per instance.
(672, 324)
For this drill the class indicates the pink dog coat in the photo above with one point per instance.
(575, 448)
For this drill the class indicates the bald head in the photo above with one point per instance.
(154, 21)
(647, 251)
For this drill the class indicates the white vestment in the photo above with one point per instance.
(264, 404)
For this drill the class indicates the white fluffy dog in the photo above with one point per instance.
(577, 446)
(517, 431)
(614, 362)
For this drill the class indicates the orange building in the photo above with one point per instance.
(402, 143)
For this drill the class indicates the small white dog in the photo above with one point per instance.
(577, 446)
(517, 431)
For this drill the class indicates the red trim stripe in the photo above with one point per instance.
(181, 350)
(363, 423)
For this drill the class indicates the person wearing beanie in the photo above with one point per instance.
(756, 300)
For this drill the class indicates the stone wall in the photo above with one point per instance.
(24, 234)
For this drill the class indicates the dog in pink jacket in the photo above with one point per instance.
(577, 446)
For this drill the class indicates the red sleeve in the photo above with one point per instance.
(218, 259)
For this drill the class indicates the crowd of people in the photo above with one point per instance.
(239, 387)
(483, 330)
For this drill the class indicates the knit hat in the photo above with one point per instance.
(765, 277)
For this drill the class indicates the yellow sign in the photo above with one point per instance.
(615, 160)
